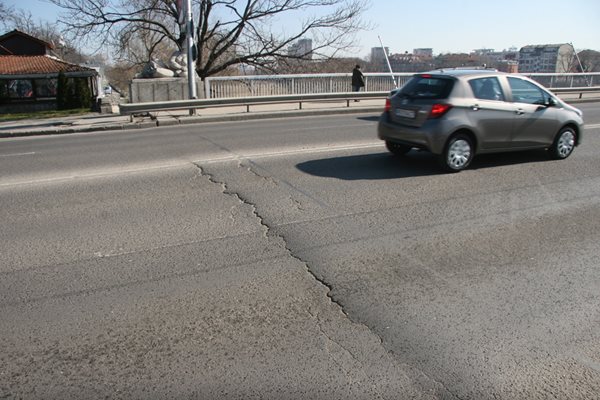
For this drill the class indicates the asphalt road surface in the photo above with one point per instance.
(293, 259)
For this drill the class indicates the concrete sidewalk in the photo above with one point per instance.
(102, 122)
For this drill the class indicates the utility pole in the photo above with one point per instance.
(189, 39)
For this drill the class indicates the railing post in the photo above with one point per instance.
(207, 88)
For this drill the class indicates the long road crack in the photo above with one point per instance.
(271, 232)
(268, 231)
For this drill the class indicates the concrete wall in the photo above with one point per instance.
(162, 89)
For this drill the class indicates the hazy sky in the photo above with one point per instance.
(456, 25)
(464, 25)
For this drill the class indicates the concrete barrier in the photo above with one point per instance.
(162, 89)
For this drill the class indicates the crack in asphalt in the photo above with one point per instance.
(270, 232)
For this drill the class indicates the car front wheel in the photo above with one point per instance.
(563, 144)
(458, 153)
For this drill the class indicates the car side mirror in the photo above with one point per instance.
(548, 102)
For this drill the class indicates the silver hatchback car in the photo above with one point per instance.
(456, 114)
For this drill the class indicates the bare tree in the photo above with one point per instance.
(228, 33)
(5, 11)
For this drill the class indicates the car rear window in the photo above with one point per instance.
(427, 87)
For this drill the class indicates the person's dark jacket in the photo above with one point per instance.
(358, 79)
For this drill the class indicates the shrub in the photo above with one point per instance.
(63, 89)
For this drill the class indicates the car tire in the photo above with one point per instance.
(458, 153)
(564, 143)
(396, 148)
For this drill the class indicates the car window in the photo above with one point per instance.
(526, 92)
(427, 87)
(487, 89)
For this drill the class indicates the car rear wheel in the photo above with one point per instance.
(397, 149)
(458, 153)
(563, 144)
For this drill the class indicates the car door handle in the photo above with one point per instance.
(520, 111)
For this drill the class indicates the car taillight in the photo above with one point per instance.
(437, 110)
(388, 105)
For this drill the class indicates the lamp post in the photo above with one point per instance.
(189, 39)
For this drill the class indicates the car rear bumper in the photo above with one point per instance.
(423, 137)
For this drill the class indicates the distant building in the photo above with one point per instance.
(554, 58)
(378, 54)
(510, 66)
(29, 74)
(423, 53)
(505, 60)
(483, 52)
(302, 48)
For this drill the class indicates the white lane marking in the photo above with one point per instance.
(103, 174)
(17, 154)
(178, 164)
(314, 150)
(592, 126)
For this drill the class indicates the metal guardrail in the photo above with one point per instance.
(273, 85)
(138, 108)
(326, 83)
(576, 90)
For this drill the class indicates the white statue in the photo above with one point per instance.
(178, 63)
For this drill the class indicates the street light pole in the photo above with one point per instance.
(189, 36)
(388, 62)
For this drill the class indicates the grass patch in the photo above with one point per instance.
(44, 114)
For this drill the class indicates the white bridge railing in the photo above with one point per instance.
(276, 85)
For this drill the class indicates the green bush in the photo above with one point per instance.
(63, 89)
(72, 93)
(82, 95)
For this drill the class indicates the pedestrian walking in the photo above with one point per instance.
(358, 79)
